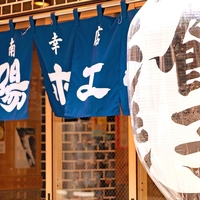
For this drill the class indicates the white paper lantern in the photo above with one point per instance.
(164, 94)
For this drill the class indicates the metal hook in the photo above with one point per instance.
(23, 33)
(120, 20)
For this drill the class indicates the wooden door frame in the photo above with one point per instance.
(137, 174)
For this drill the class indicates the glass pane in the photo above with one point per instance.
(21, 166)
(89, 161)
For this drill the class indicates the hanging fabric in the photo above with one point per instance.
(15, 72)
(94, 85)
(124, 21)
(54, 44)
(98, 82)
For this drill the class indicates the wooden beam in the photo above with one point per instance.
(86, 11)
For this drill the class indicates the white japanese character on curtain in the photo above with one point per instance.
(55, 42)
(59, 77)
(11, 49)
(97, 36)
(12, 95)
(88, 90)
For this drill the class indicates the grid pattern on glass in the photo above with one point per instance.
(20, 166)
(43, 141)
(88, 158)
(42, 128)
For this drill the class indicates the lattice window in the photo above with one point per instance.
(11, 8)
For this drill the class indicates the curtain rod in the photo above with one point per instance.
(68, 11)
